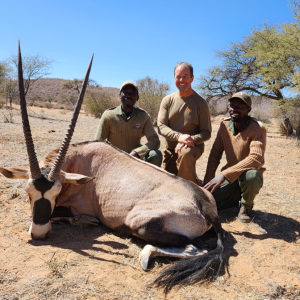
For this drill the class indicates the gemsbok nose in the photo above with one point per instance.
(40, 232)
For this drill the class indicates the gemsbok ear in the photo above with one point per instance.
(76, 179)
(15, 173)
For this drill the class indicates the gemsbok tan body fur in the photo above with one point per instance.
(124, 194)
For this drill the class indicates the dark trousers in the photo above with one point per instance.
(153, 157)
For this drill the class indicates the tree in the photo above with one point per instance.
(2, 70)
(264, 64)
(35, 67)
(70, 100)
(3, 74)
(294, 5)
(151, 92)
(293, 109)
(10, 87)
(8, 90)
(74, 85)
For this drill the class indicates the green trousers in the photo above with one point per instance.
(244, 189)
(154, 157)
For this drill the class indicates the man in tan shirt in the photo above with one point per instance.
(184, 121)
(125, 125)
(243, 139)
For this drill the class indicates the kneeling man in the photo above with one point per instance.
(125, 125)
(243, 139)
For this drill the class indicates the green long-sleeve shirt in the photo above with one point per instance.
(189, 115)
(126, 132)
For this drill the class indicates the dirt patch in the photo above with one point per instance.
(77, 263)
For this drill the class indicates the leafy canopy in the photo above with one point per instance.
(266, 63)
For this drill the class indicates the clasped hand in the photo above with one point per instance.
(184, 140)
(134, 154)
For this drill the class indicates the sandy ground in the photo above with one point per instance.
(77, 263)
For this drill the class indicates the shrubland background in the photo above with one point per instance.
(61, 94)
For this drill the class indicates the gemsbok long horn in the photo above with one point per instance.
(33, 162)
(55, 171)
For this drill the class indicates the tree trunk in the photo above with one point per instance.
(286, 121)
(288, 126)
(298, 132)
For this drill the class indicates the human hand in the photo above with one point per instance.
(186, 139)
(134, 154)
(214, 183)
(179, 146)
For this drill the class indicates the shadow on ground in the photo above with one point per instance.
(275, 226)
(85, 240)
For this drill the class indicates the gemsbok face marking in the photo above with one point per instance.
(42, 194)
(43, 189)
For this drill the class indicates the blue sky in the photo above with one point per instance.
(131, 39)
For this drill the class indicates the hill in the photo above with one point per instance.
(52, 87)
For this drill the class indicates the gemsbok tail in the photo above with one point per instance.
(188, 271)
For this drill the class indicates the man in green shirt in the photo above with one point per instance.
(125, 125)
(184, 121)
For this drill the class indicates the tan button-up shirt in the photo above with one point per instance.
(126, 133)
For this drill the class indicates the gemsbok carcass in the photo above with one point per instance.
(123, 193)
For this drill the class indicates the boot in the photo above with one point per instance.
(244, 214)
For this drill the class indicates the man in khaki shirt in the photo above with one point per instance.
(125, 125)
(184, 120)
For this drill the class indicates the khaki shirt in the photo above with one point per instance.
(244, 151)
(126, 132)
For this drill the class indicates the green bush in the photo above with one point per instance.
(151, 92)
(48, 105)
(97, 100)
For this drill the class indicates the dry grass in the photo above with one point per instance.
(82, 263)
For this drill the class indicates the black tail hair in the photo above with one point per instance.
(187, 271)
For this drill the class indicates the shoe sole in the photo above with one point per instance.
(244, 220)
